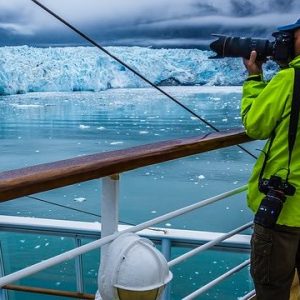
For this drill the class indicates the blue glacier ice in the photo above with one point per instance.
(26, 69)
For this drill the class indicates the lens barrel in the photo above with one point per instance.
(226, 46)
(269, 209)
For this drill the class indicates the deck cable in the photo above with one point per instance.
(89, 213)
(74, 209)
(97, 45)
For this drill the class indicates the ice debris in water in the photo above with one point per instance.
(80, 199)
(86, 69)
(83, 126)
(116, 143)
(25, 106)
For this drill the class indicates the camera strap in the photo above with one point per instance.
(294, 118)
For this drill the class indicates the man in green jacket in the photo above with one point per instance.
(265, 110)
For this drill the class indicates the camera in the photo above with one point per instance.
(270, 207)
(280, 50)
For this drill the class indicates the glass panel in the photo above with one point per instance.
(21, 250)
(205, 267)
(91, 261)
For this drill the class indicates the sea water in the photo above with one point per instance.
(44, 127)
(47, 125)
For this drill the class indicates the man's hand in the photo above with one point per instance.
(254, 67)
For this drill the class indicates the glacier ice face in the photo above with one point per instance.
(27, 69)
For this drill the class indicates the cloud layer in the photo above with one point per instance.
(157, 23)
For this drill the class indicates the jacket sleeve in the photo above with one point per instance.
(263, 103)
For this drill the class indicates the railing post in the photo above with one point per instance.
(166, 251)
(3, 292)
(109, 211)
(79, 269)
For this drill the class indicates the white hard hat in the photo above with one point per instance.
(132, 266)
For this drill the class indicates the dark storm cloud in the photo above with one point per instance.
(173, 23)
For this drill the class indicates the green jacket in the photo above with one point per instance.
(265, 107)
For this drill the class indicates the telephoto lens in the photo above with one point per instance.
(281, 50)
(227, 46)
(270, 208)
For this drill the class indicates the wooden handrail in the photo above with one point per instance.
(43, 177)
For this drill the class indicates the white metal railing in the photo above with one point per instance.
(250, 295)
(110, 206)
(92, 230)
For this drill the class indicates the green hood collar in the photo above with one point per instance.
(295, 62)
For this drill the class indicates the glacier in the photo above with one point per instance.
(26, 69)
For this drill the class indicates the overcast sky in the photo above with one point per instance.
(156, 23)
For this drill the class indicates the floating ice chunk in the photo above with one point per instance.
(37, 246)
(81, 126)
(116, 143)
(80, 199)
(201, 177)
(25, 106)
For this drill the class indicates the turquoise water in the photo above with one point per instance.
(44, 127)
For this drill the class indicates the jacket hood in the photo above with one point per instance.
(295, 62)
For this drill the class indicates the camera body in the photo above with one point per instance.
(280, 50)
(270, 207)
(283, 46)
